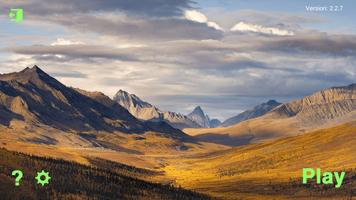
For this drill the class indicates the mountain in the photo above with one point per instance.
(257, 111)
(320, 107)
(325, 108)
(137, 107)
(146, 111)
(32, 98)
(214, 123)
(199, 117)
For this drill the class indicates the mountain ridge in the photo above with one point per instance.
(146, 111)
(320, 106)
(256, 111)
(32, 97)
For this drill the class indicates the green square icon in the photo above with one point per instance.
(16, 14)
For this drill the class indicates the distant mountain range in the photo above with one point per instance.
(146, 111)
(41, 116)
(325, 108)
(33, 98)
(257, 111)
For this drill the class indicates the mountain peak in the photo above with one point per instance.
(198, 110)
(34, 69)
(127, 100)
(34, 75)
(122, 94)
(200, 117)
(31, 73)
(125, 93)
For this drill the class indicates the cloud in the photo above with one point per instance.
(247, 27)
(150, 20)
(228, 18)
(196, 16)
(159, 8)
(73, 51)
(70, 74)
(199, 17)
(316, 43)
(62, 41)
(179, 57)
(135, 28)
(212, 70)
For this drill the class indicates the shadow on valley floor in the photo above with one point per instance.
(225, 139)
(44, 140)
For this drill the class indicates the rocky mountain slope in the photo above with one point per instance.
(146, 111)
(321, 106)
(33, 98)
(137, 107)
(200, 117)
(257, 111)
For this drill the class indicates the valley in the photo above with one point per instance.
(259, 157)
(257, 168)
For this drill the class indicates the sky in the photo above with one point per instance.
(224, 55)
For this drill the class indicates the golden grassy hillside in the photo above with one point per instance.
(250, 131)
(268, 170)
(140, 150)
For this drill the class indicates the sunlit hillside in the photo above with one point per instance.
(273, 168)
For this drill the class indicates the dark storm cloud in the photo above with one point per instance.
(137, 28)
(129, 19)
(160, 8)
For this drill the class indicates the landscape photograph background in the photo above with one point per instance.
(177, 99)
